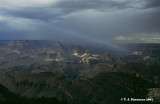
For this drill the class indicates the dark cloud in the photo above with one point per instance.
(72, 6)
(62, 8)
(65, 7)
(152, 3)
(90, 19)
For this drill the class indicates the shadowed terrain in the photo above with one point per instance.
(49, 72)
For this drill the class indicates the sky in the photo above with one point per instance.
(106, 21)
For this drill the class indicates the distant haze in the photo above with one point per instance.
(103, 21)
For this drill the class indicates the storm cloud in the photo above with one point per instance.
(98, 20)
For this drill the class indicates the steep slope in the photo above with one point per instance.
(58, 47)
(20, 47)
(109, 88)
(105, 88)
(7, 97)
(76, 50)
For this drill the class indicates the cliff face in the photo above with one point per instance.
(20, 53)
(77, 74)
(19, 47)
(76, 49)
(58, 47)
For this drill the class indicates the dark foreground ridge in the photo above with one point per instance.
(7, 97)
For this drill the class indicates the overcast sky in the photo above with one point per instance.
(119, 21)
